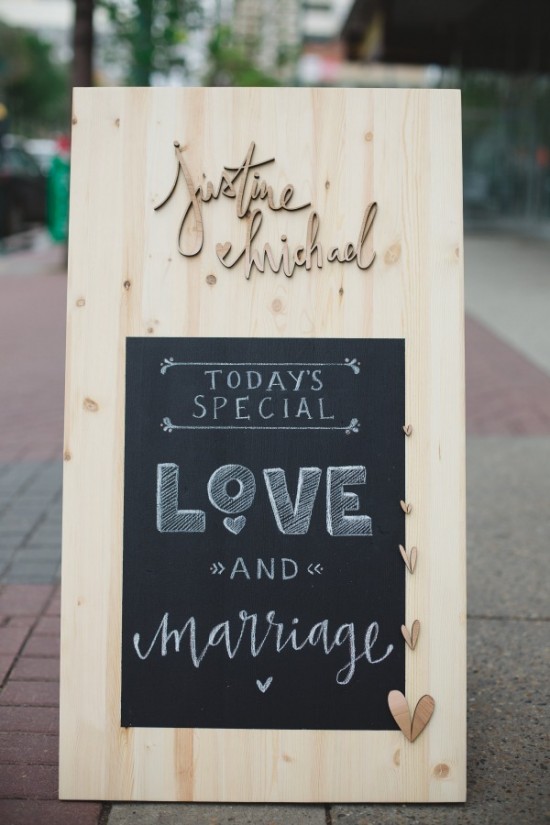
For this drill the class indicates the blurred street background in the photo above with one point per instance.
(498, 53)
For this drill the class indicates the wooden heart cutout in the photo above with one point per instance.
(409, 558)
(399, 709)
(422, 715)
(407, 429)
(222, 249)
(412, 637)
(405, 507)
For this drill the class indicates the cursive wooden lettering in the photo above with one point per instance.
(366, 226)
(203, 193)
(246, 187)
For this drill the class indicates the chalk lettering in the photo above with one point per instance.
(239, 567)
(217, 488)
(289, 569)
(339, 502)
(169, 518)
(292, 520)
(167, 640)
(198, 403)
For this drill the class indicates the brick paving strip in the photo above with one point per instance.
(29, 699)
(506, 394)
(32, 366)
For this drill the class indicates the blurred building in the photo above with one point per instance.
(270, 33)
(498, 53)
(501, 35)
(322, 20)
(51, 20)
(325, 61)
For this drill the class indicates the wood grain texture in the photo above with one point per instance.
(127, 278)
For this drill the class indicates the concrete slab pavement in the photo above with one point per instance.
(508, 529)
(205, 814)
(507, 770)
(507, 288)
(508, 391)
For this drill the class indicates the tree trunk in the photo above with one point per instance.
(143, 51)
(83, 43)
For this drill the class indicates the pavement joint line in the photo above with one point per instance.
(28, 535)
(24, 485)
(26, 639)
(106, 808)
(510, 618)
(16, 460)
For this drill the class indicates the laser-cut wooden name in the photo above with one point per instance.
(247, 188)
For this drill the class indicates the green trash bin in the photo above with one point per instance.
(58, 196)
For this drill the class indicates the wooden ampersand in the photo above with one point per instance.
(412, 637)
(409, 558)
(399, 709)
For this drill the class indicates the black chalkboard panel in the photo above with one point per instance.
(262, 584)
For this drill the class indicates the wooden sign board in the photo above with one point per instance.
(263, 533)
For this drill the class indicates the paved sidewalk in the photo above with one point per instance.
(508, 290)
(29, 651)
(508, 414)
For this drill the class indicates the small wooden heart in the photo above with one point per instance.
(407, 429)
(405, 507)
(409, 558)
(412, 637)
(399, 709)
(222, 249)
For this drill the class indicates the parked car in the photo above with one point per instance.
(22, 189)
(43, 151)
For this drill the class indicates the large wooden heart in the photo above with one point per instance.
(400, 711)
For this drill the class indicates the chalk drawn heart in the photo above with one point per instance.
(412, 637)
(400, 711)
(263, 687)
(234, 525)
(409, 558)
(222, 249)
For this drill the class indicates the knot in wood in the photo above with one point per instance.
(393, 254)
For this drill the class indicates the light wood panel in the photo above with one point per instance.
(343, 149)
